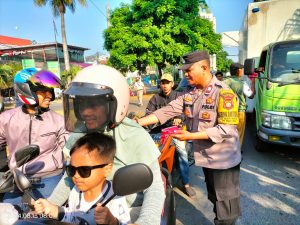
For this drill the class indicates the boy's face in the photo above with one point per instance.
(81, 157)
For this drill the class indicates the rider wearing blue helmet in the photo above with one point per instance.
(21, 77)
(34, 123)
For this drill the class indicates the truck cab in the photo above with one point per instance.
(277, 100)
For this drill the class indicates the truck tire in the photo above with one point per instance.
(260, 145)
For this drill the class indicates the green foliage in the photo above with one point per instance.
(223, 63)
(67, 76)
(157, 32)
(59, 9)
(168, 69)
(7, 72)
(59, 6)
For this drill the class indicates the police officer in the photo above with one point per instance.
(158, 101)
(211, 109)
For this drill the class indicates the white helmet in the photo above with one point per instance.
(92, 87)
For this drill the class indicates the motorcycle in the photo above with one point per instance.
(22, 156)
(8, 179)
(127, 180)
(166, 161)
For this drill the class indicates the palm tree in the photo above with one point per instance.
(59, 8)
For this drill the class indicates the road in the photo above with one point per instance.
(270, 184)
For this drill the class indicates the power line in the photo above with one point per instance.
(98, 8)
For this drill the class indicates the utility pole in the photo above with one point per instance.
(108, 14)
(56, 46)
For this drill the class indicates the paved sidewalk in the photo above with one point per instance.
(134, 106)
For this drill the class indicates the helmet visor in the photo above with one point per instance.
(45, 78)
(91, 111)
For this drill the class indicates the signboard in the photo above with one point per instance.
(53, 66)
(28, 63)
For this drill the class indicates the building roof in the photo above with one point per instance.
(49, 44)
(12, 41)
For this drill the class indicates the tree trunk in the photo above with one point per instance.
(159, 70)
(64, 42)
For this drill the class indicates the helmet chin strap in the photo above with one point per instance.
(37, 110)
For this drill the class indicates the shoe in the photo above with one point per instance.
(189, 191)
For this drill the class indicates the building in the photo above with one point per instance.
(205, 13)
(6, 41)
(43, 55)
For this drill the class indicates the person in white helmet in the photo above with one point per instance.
(97, 100)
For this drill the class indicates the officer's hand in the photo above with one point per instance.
(102, 215)
(181, 135)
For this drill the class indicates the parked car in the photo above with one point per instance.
(58, 93)
(183, 85)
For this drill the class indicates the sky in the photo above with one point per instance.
(84, 28)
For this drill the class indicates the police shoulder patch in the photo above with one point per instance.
(228, 107)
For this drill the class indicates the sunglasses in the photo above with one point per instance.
(83, 171)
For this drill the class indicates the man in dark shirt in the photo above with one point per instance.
(158, 101)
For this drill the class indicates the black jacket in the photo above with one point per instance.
(158, 101)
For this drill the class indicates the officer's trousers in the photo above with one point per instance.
(241, 126)
(223, 188)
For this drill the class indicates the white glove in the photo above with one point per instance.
(247, 90)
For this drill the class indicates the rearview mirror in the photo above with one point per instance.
(22, 182)
(249, 66)
(26, 154)
(131, 179)
(22, 156)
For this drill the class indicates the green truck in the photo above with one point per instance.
(277, 99)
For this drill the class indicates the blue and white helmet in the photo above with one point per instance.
(23, 75)
(30, 80)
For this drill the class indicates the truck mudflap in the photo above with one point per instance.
(282, 137)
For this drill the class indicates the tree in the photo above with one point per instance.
(157, 32)
(223, 63)
(7, 73)
(67, 76)
(59, 8)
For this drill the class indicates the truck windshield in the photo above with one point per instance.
(285, 63)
